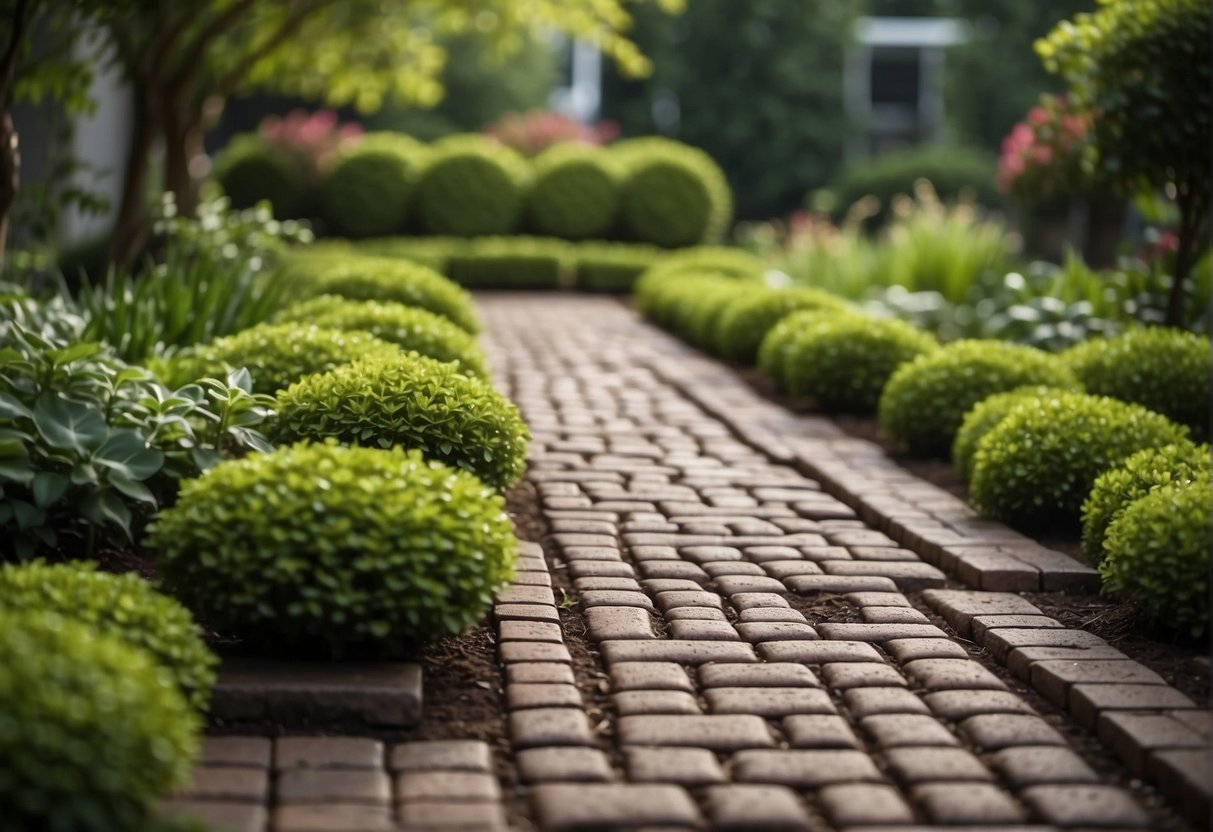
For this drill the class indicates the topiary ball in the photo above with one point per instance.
(368, 190)
(1133, 479)
(92, 730)
(673, 194)
(409, 327)
(1166, 370)
(1157, 554)
(925, 401)
(776, 344)
(359, 549)
(698, 307)
(575, 192)
(1035, 468)
(717, 260)
(278, 354)
(472, 186)
(413, 401)
(123, 606)
(742, 326)
(249, 170)
(982, 419)
(844, 362)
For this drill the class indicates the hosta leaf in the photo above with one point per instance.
(48, 487)
(69, 425)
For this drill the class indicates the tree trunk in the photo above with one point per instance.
(182, 152)
(1105, 227)
(10, 176)
(132, 225)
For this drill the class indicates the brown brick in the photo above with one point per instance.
(304, 785)
(615, 598)
(1133, 736)
(1054, 678)
(567, 807)
(952, 674)
(956, 705)
(862, 702)
(548, 726)
(1000, 642)
(818, 652)
(683, 766)
(446, 755)
(677, 650)
(878, 632)
(911, 649)
(246, 784)
(435, 815)
(654, 702)
(236, 751)
(1088, 701)
(531, 631)
(992, 732)
(540, 673)
(765, 615)
(902, 730)
(845, 675)
(715, 732)
(513, 652)
(768, 701)
(929, 765)
(526, 595)
(804, 768)
(651, 676)
(519, 696)
(333, 817)
(472, 786)
(218, 814)
(526, 612)
(671, 600)
(774, 674)
(703, 630)
(994, 571)
(743, 807)
(1186, 776)
(1034, 765)
(973, 803)
(1090, 806)
(819, 731)
(541, 765)
(849, 804)
(893, 615)
(839, 584)
(618, 623)
(327, 752)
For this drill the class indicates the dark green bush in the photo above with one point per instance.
(409, 327)
(673, 194)
(472, 187)
(358, 549)
(510, 263)
(729, 262)
(123, 606)
(1133, 479)
(612, 267)
(844, 361)
(575, 193)
(412, 401)
(249, 170)
(742, 326)
(1157, 554)
(1035, 468)
(925, 401)
(984, 417)
(1166, 370)
(368, 191)
(91, 729)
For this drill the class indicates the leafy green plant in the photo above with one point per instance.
(984, 416)
(612, 267)
(93, 730)
(352, 548)
(673, 195)
(368, 190)
(776, 345)
(719, 260)
(472, 186)
(250, 170)
(510, 263)
(740, 328)
(575, 195)
(1035, 468)
(925, 401)
(123, 606)
(413, 401)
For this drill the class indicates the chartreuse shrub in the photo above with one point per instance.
(413, 401)
(472, 186)
(777, 343)
(698, 308)
(673, 194)
(92, 730)
(510, 262)
(1137, 476)
(1035, 468)
(741, 327)
(1166, 370)
(431, 252)
(984, 416)
(358, 549)
(278, 354)
(717, 260)
(925, 401)
(249, 170)
(844, 361)
(123, 606)
(612, 267)
(575, 192)
(368, 190)
(408, 327)
(1157, 554)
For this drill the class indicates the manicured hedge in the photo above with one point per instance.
(510, 263)
(984, 416)
(612, 267)
(472, 187)
(368, 191)
(575, 193)
(249, 170)
(741, 327)
(673, 194)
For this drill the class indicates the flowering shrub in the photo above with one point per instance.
(1044, 153)
(531, 132)
(310, 138)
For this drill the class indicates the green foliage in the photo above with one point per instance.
(509, 262)
(925, 401)
(612, 267)
(353, 548)
(276, 355)
(844, 361)
(673, 194)
(472, 186)
(368, 191)
(409, 327)
(698, 305)
(777, 344)
(250, 170)
(984, 416)
(1158, 556)
(719, 260)
(575, 194)
(1035, 468)
(1166, 370)
(412, 401)
(93, 730)
(122, 606)
(741, 328)
(1137, 476)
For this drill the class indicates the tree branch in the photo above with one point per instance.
(197, 49)
(8, 64)
(228, 82)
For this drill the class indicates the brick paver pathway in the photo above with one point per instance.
(785, 632)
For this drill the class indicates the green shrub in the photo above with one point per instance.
(844, 362)
(359, 549)
(612, 267)
(673, 195)
(728, 262)
(742, 326)
(984, 416)
(249, 170)
(1035, 468)
(698, 308)
(91, 729)
(575, 194)
(368, 191)
(776, 345)
(925, 401)
(472, 187)
(510, 263)
(1133, 479)
(431, 252)
(412, 401)
(1166, 370)
(123, 606)
(1158, 555)
(408, 327)
(278, 354)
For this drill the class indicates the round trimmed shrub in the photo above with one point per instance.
(1137, 476)
(984, 416)
(368, 190)
(1036, 466)
(717, 260)
(123, 606)
(278, 354)
(673, 194)
(925, 401)
(844, 362)
(358, 549)
(741, 328)
(409, 327)
(92, 730)
(1166, 370)
(413, 401)
(472, 187)
(249, 170)
(575, 192)
(699, 312)
(667, 303)
(1157, 554)
(777, 343)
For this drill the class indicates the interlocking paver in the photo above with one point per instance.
(1054, 678)
(804, 768)
(549, 765)
(219, 814)
(848, 804)
(305, 785)
(543, 673)
(818, 652)
(844, 675)
(684, 766)
(862, 702)
(627, 622)
(447, 755)
(1087, 701)
(246, 784)
(763, 615)
(450, 816)
(538, 727)
(992, 732)
(930, 765)
(650, 676)
(236, 751)
(654, 702)
(522, 695)
(331, 817)
(583, 806)
(961, 704)
(677, 650)
(768, 675)
(1087, 806)
(723, 732)
(471, 786)
(1134, 735)
(327, 752)
(910, 649)
(878, 632)
(900, 730)
(1033, 766)
(819, 731)
(744, 807)
(974, 803)
(703, 630)
(760, 632)
(530, 631)
(513, 652)
(768, 701)
(952, 674)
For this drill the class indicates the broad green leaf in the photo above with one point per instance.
(12, 408)
(127, 452)
(69, 425)
(132, 488)
(48, 487)
(74, 353)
